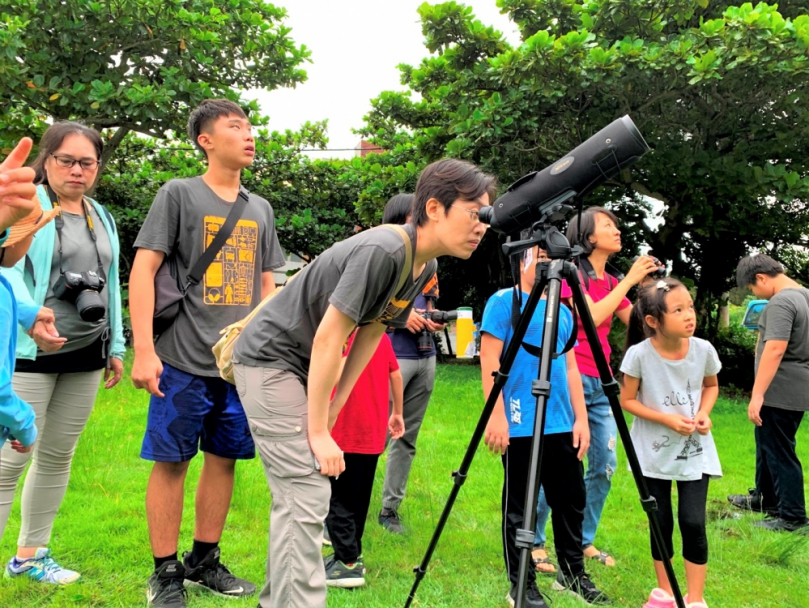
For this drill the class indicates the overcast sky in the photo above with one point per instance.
(356, 46)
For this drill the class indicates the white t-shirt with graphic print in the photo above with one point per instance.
(672, 387)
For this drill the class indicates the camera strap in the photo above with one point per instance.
(59, 223)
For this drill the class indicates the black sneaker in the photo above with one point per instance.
(582, 587)
(752, 502)
(165, 587)
(212, 575)
(345, 576)
(390, 520)
(533, 597)
(779, 524)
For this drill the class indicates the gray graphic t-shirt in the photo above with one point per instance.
(786, 317)
(672, 387)
(185, 217)
(78, 255)
(357, 276)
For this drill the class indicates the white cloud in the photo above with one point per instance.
(356, 46)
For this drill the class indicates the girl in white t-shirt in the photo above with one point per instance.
(670, 387)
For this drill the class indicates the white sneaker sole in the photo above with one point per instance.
(557, 586)
(230, 596)
(348, 583)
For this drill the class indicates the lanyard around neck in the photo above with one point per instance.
(60, 224)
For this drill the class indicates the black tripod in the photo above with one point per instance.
(550, 275)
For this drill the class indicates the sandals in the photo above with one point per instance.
(540, 561)
(602, 557)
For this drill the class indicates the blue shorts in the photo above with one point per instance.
(197, 413)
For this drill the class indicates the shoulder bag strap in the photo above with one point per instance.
(407, 268)
(208, 256)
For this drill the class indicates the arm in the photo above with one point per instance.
(630, 403)
(15, 414)
(267, 284)
(17, 189)
(496, 437)
(113, 373)
(581, 426)
(604, 308)
(365, 344)
(147, 367)
(771, 357)
(37, 320)
(710, 391)
(396, 423)
(327, 353)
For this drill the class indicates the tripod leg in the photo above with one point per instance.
(459, 476)
(541, 389)
(612, 391)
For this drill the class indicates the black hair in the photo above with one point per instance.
(651, 302)
(588, 228)
(208, 112)
(752, 265)
(397, 209)
(52, 140)
(448, 180)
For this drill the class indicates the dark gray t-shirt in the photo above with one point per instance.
(184, 218)
(358, 276)
(78, 255)
(786, 317)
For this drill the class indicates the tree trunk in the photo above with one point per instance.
(109, 150)
(724, 310)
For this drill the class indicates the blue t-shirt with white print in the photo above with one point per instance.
(520, 403)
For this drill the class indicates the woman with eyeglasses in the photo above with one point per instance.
(71, 268)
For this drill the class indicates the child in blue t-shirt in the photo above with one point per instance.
(17, 418)
(567, 436)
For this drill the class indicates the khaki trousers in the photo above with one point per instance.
(276, 407)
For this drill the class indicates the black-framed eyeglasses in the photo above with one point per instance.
(67, 162)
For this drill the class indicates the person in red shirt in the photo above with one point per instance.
(360, 431)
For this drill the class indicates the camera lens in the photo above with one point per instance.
(90, 306)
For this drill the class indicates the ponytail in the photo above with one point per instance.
(636, 330)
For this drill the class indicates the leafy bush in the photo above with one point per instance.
(736, 348)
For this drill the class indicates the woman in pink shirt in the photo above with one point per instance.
(606, 296)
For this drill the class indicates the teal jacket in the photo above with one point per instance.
(30, 291)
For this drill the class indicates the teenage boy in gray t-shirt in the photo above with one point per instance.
(779, 397)
(191, 407)
(287, 361)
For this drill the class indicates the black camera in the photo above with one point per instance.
(660, 273)
(83, 290)
(425, 343)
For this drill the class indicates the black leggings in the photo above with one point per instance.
(693, 496)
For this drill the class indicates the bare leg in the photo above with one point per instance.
(662, 579)
(214, 492)
(695, 575)
(164, 506)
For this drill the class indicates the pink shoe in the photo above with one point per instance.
(659, 599)
(694, 604)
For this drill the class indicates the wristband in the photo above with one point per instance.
(3, 236)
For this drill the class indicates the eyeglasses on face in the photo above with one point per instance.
(473, 213)
(67, 162)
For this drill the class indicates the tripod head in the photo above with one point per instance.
(545, 235)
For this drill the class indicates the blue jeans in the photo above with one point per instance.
(601, 463)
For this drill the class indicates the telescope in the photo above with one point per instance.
(614, 148)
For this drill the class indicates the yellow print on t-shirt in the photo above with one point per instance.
(229, 279)
(392, 310)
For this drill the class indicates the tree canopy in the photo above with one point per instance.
(135, 65)
(719, 92)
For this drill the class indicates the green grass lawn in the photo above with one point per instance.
(101, 529)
